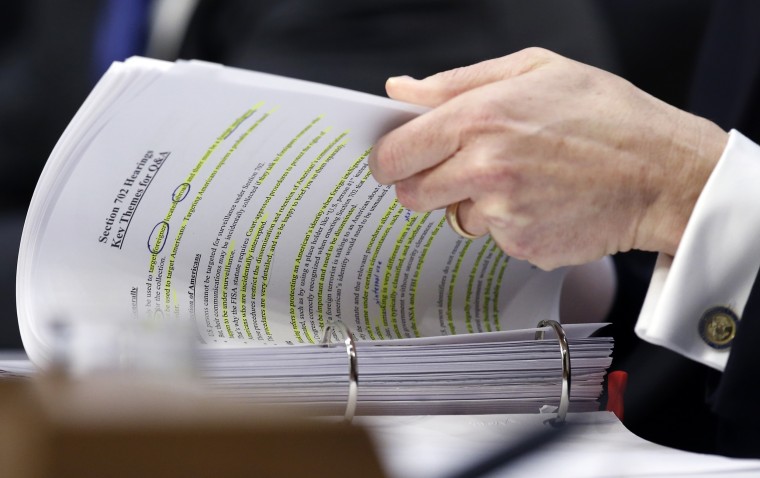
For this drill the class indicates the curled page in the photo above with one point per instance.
(242, 203)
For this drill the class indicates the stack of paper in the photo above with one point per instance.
(480, 373)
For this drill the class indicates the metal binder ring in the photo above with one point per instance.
(564, 399)
(353, 369)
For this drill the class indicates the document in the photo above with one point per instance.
(240, 206)
(596, 445)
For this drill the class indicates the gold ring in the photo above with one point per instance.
(451, 217)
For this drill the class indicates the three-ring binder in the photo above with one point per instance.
(564, 398)
(353, 368)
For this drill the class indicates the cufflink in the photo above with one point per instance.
(717, 327)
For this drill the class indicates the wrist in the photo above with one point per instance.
(695, 147)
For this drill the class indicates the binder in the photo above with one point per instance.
(339, 328)
(82, 443)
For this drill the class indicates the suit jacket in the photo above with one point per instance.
(673, 400)
(360, 44)
(727, 90)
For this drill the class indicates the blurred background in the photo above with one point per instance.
(53, 51)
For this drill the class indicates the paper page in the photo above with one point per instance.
(598, 446)
(15, 364)
(407, 377)
(204, 193)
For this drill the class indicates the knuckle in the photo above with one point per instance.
(494, 175)
(533, 57)
(536, 52)
(486, 118)
(491, 172)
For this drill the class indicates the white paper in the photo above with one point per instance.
(243, 202)
(598, 446)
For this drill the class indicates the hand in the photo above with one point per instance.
(560, 162)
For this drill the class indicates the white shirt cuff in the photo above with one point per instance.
(716, 262)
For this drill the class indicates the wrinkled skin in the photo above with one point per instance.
(562, 163)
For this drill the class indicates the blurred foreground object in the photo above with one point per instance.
(54, 426)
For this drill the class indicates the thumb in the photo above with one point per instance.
(441, 87)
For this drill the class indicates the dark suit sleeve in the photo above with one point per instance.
(735, 399)
(726, 90)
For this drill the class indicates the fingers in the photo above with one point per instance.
(439, 88)
(432, 139)
(416, 146)
(458, 180)
(476, 219)
(519, 237)
(477, 148)
(437, 187)
(462, 104)
(472, 172)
